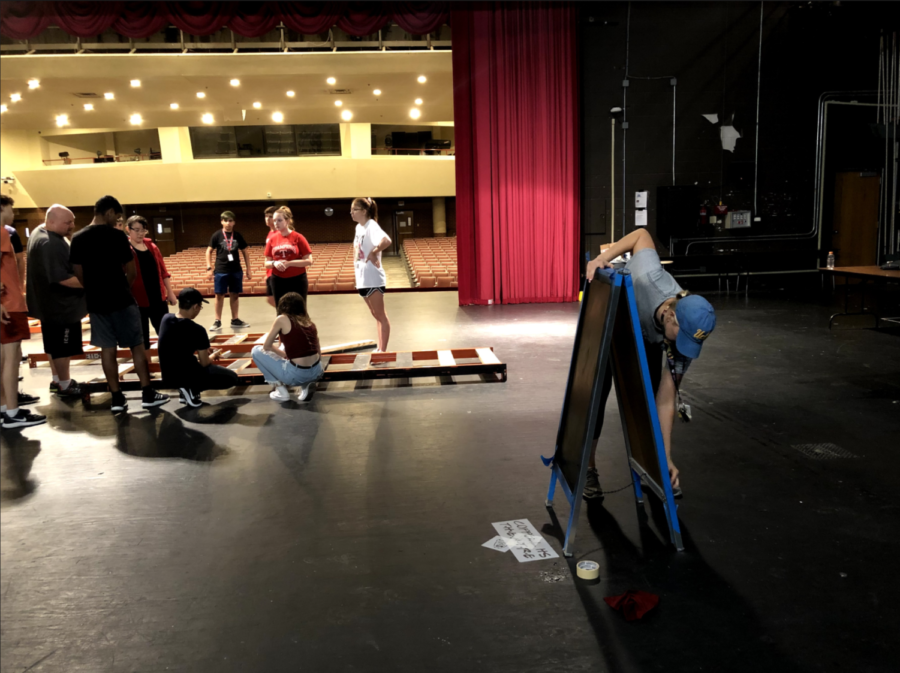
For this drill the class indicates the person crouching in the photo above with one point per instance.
(298, 361)
(179, 338)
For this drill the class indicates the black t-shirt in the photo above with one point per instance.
(149, 275)
(102, 253)
(224, 245)
(179, 339)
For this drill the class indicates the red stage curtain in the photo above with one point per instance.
(141, 19)
(517, 154)
(24, 20)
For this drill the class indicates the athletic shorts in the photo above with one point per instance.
(120, 328)
(61, 340)
(230, 282)
(269, 292)
(17, 329)
(366, 292)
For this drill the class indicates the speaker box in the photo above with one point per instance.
(677, 213)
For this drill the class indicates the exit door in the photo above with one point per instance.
(855, 238)
(403, 229)
(164, 235)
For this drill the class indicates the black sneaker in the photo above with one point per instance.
(22, 419)
(26, 399)
(216, 326)
(119, 403)
(151, 398)
(54, 386)
(72, 390)
(189, 397)
(237, 322)
(592, 490)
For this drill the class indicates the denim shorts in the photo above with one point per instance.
(283, 372)
(229, 282)
(119, 328)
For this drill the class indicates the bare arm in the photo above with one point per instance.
(246, 254)
(384, 244)
(171, 298)
(665, 408)
(130, 272)
(71, 282)
(208, 262)
(277, 326)
(20, 264)
(204, 358)
(634, 242)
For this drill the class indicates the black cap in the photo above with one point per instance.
(189, 297)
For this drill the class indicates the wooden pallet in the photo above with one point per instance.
(340, 366)
(220, 343)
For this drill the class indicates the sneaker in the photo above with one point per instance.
(189, 397)
(22, 419)
(307, 391)
(119, 403)
(54, 386)
(676, 493)
(26, 399)
(280, 394)
(592, 490)
(237, 323)
(73, 390)
(216, 326)
(151, 398)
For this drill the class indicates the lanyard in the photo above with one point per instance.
(684, 410)
(228, 241)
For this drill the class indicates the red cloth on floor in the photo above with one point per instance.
(633, 604)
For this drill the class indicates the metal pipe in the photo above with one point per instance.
(674, 89)
(896, 109)
(758, 87)
(612, 180)
(625, 112)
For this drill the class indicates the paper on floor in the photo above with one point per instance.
(524, 541)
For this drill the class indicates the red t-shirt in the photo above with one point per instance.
(268, 236)
(12, 298)
(286, 249)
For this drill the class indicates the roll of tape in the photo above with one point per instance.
(588, 570)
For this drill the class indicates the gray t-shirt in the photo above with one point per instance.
(652, 286)
(48, 266)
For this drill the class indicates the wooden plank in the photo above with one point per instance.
(351, 346)
(446, 359)
(126, 368)
(486, 355)
(239, 365)
(361, 362)
(261, 339)
(403, 360)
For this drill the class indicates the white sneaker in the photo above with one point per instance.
(306, 392)
(280, 394)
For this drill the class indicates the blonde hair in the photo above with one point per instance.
(284, 210)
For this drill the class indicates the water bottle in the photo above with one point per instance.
(829, 262)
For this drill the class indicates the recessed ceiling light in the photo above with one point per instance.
(135, 83)
(88, 107)
(3, 108)
(331, 80)
(173, 106)
(346, 115)
(415, 113)
(257, 105)
(422, 79)
(377, 92)
(277, 117)
(338, 103)
(62, 120)
(33, 83)
(109, 96)
(290, 94)
(15, 97)
(136, 119)
(207, 118)
(200, 94)
(418, 101)
(235, 82)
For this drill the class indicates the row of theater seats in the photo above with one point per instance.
(332, 270)
(431, 261)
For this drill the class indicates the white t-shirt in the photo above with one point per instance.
(366, 238)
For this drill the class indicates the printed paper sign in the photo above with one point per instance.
(497, 543)
(526, 543)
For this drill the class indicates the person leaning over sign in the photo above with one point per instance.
(674, 325)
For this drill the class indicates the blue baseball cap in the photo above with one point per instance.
(696, 321)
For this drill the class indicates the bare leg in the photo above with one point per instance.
(139, 357)
(9, 379)
(220, 304)
(61, 368)
(53, 371)
(235, 297)
(110, 368)
(376, 306)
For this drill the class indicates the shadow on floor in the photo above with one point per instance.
(17, 454)
(162, 435)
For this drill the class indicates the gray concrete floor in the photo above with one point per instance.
(345, 534)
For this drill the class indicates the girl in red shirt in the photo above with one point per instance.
(288, 255)
(151, 288)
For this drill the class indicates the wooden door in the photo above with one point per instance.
(855, 236)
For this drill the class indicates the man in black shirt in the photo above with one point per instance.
(179, 338)
(229, 278)
(102, 260)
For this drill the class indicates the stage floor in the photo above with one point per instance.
(345, 534)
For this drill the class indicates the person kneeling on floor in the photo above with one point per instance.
(298, 361)
(179, 338)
